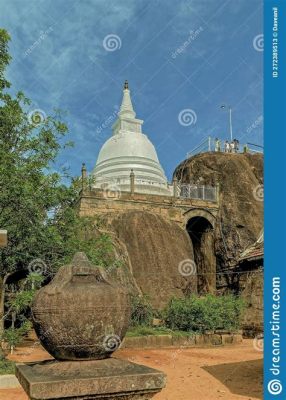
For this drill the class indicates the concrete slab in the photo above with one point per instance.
(9, 382)
(98, 379)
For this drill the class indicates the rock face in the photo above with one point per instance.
(119, 272)
(250, 285)
(160, 254)
(252, 293)
(240, 219)
(79, 315)
(160, 239)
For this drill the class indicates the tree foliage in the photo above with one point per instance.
(199, 314)
(36, 207)
(38, 202)
(142, 312)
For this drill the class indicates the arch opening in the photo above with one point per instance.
(201, 233)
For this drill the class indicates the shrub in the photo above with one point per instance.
(142, 311)
(199, 314)
(7, 367)
(14, 336)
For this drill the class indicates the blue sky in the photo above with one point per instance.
(184, 55)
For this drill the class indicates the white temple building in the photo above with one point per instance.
(129, 151)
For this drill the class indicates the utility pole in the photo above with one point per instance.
(223, 107)
(230, 122)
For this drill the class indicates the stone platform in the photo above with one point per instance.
(87, 380)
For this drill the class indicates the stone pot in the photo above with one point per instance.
(79, 315)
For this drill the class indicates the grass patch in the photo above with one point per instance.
(136, 331)
(7, 367)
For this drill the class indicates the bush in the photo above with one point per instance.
(142, 311)
(7, 367)
(14, 336)
(200, 314)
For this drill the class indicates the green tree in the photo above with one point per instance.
(36, 208)
(29, 189)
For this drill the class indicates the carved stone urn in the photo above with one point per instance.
(80, 315)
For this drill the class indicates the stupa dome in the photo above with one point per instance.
(129, 150)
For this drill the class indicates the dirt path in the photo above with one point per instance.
(230, 373)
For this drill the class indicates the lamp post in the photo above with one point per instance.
(223, 107)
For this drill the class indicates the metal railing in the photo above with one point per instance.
(203, 147)
(199, 192)
(257, 148)
(123, 184)
(179, 190)
(209, 144)
(102, 182)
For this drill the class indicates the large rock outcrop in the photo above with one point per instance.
(157, 255)
(240, 179)
(160, 255)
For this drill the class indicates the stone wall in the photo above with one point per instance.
(100, 202)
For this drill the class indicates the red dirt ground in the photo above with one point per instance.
(221, 373)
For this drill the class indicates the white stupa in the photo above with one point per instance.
(130, 150)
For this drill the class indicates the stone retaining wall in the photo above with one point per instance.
(165, 341)
(96, 202)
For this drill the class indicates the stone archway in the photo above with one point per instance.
(200, 227)
(199, 212)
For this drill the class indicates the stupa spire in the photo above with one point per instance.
(126, 109)
(130, 150)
